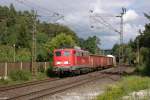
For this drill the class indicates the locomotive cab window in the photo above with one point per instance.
(57, 53)
(66, 53)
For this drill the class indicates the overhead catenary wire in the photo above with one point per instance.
(104, 22)
(51, 14)
(45, 9)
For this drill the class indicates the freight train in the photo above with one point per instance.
(77, 61)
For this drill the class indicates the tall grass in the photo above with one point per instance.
(20, 75)
(124, 87)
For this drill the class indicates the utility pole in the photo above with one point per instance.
(34, 44)
(105, 23)
(121, 54)
(14, 46)
(138, 51)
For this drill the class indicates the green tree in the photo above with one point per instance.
(144, 42)
(60, 41)
(6, 53)
(23, 54)
(91, 44)
(16, 28)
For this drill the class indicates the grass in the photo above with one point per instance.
(20, 76)
(41, 75)
(122, 88)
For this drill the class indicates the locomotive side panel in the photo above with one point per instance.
(82, 59)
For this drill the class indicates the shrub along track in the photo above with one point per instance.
(37, 91)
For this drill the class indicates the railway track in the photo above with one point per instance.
(52, 90)
(66, 86)
(58, 88)
(43, 88)
(10, 87)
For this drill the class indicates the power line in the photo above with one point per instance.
(103, 22)
(22, 2)
(45, 9)
(53, 14)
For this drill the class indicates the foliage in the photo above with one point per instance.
(42, 54)
(4, 81)
(16, 27)
(6, 53)
(91, 44)
(124, 87)
(41, 69)
(129, 56)
(143, 68)
(23, 54)
(60, 41)
(20, 75)
(50, 72)
(41, 76)
(131, 50)
(144, 42)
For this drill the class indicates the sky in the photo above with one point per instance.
(101, 22)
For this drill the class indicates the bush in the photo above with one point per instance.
(41, 69)
(144, 67)
(6, 53)
(20, 75)
(23, 54)
(41, 76)
(4, 81)
(124, 87)
(50, 72)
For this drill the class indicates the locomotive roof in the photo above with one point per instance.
(98, 55)
(71, 49)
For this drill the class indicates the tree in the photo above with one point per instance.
(128, 53)
(60, 41)
(91, 44)
(144, 42)
(6, 53)
(16, 27)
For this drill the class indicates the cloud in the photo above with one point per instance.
(131, 31)
(76, 16)
(130, 15)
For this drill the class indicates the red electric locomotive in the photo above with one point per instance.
(76, 60)
(70, 59)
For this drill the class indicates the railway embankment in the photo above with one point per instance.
(82, 87)
(20, 77)
(91, 90)
(128, 88)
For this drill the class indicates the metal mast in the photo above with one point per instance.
(34, 44)
(121, 54)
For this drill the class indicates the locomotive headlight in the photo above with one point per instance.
(66, 62)
(58, 63)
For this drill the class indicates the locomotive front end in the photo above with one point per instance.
(63, 60)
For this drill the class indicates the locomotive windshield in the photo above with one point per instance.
(58, 53)
(66, 53)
